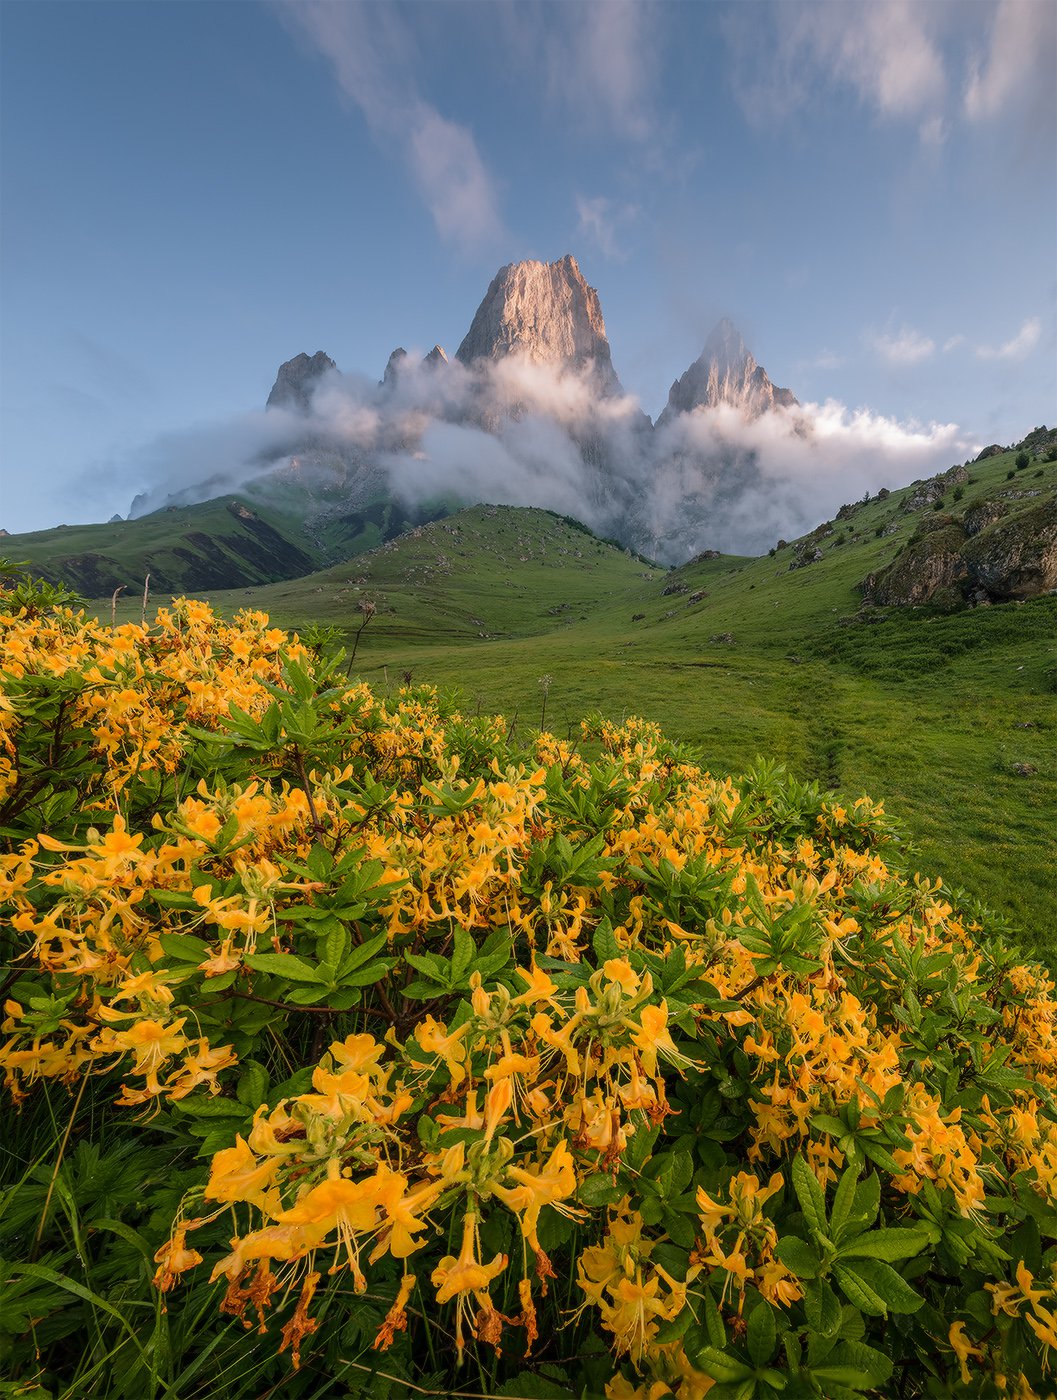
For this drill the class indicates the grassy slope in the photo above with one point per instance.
(181, 547)
(931, 711)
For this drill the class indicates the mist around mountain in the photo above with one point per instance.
(530, 411)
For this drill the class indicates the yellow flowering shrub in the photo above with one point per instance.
(443, 1062)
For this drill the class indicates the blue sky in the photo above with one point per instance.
(194, 192)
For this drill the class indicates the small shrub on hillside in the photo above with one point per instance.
(1021, 460)
(403, 1046)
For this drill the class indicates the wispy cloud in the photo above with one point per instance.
(885, 51)
(933, 65)
(371, 54)
(1019, 347)
(1016, 65)
(599, 221)
(903, 347)
(602, 63)
(826, 359)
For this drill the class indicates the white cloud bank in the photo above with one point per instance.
(517, 433)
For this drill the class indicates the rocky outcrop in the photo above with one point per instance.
(435, 358)
(982, 514)
(993, 451)
(1015, 557)
(927, 493)
(725, 373)
(929, 569)
(546, 312)
(297, 379)
(988, 556)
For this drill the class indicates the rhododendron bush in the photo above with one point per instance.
(351, 1047)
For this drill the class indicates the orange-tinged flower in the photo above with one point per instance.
(619, 970)
(236, 1175)
(554, 1182)
(174, 1257)
(465, 1274)
(963, 1349)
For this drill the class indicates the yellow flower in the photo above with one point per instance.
(174, 1257)
(554, 1182)
(963, 1349)
(456, 1277)
(236, 1175)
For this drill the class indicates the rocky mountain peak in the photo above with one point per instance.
(394, 365)
(436, 357)
(297, 378)
(545, 311)
(725, 373)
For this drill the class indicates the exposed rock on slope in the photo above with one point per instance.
(725, 373)
(986, 556)
(547, 312)
(296, 380)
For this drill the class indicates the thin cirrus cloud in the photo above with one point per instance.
(600, 222)
(930, 64)
(883, 50)
(903, 347)
(1017, 61)
(370, 51)
(602, 63)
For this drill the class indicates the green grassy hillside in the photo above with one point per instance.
(230, 542)
(951, 717)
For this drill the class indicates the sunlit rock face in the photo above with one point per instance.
(546, 312)
(725, 373)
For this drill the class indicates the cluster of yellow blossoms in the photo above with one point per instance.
(554, 973)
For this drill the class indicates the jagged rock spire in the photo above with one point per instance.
(545, 311)
(725, 373)
(296, 380)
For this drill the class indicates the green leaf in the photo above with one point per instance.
(184, 947)
(717, 1333)
(796, 1254)
(890, 1287)
(826, 1123)
(598, 1190)
(843, 1201)
(720, 1366)
(253, 1084)
(867, 1199)
(202, 1107)
(761, 1334)
(604, 942)
(462, 955)
(822, 1308)
(885, 1244)
(858, 1292)
(872, 1365)
(363, 954)
(285, 965)
(810, 1195)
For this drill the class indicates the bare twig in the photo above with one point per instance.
(113, 605)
